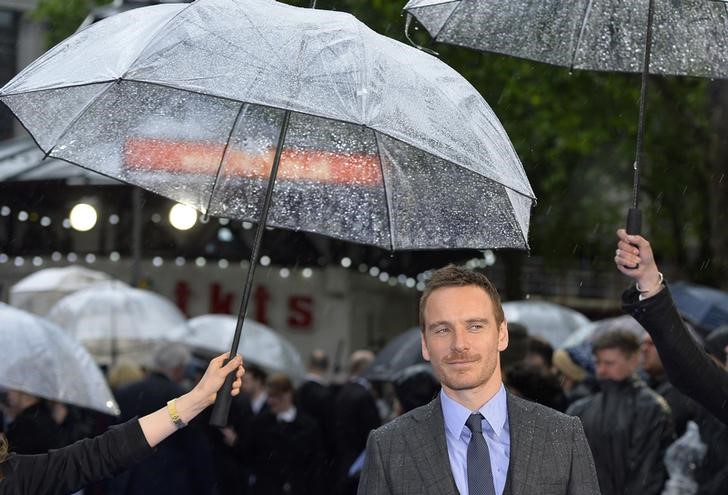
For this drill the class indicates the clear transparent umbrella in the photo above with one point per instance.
(39, 291)
(685, 37)
(41, 359)
(263, 346)
(118, 321)
(551, 321)
(290, 117)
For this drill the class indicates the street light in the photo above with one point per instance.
(182, 217)
(83, 217)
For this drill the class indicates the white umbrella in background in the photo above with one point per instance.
(263, 346)
(39, 291)
(115, 321)
(589, 332)
(41, 359)
(594, 329)
(551, 321)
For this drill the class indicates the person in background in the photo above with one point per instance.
(70, 468)
(315, 398)
(683, 408)
(575, 369)
(517, 349)
(356, 414)
(534, 383)
(539, 353)
(283, 446)
(123, 373)
(183, 465)
(687, 365)
(414, 386)
(254, 387)
(628, 426)
(30, 428)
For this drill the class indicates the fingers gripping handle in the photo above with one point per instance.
(223, 400)
(634, 224)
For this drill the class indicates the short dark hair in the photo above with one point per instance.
(256, 372)
(319, 360)
(540, 346)
(279, 383)
(624, 340)
(415, 387)
(457, 276)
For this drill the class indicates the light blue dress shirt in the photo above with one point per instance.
(495, 430)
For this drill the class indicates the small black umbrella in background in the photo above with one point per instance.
(677, 37)
(214, 103)
(403, 351)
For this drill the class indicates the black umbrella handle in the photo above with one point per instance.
(223, 400)
(634, 225)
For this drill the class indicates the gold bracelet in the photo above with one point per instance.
(660, 280)
(174, 416)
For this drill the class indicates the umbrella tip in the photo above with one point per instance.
(407, 23)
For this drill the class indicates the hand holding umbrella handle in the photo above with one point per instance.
(634, 225)
(223, 400)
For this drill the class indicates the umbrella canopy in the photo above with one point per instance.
(41, 359)
(702, 306)
(118, 321)
(551, 321)
(590, 331)
(263, 346)
(399, 354)
(378, 143)
(649, 36)
(40, 291)
(688, 37)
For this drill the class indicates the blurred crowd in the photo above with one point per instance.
(310, 437)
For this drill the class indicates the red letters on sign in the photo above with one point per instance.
(300, 312)
(182, 296)
(220, 302)
(261, 296)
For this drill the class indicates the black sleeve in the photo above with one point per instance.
(688, 367)
(69, 469)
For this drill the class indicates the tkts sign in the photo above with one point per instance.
(299, 309)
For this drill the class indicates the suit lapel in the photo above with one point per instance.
(522, 427)
(429, 449)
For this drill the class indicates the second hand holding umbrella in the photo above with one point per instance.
(214, 103)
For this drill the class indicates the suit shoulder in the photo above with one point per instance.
(402, 424)
(544, 414)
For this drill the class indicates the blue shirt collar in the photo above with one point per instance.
(495, 412)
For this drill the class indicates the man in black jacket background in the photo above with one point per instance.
(182, 465)
(628, 426)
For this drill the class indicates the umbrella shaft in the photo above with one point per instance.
(643, 105)
(259, 233)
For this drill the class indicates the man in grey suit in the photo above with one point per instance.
(474, 438)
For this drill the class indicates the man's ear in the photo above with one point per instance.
(425, 352)
(503, 335)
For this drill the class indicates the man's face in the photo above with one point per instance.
(651, 362)
(614, 364)
(462, 339)
(279, 402)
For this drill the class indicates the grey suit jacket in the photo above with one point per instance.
(549, 454)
